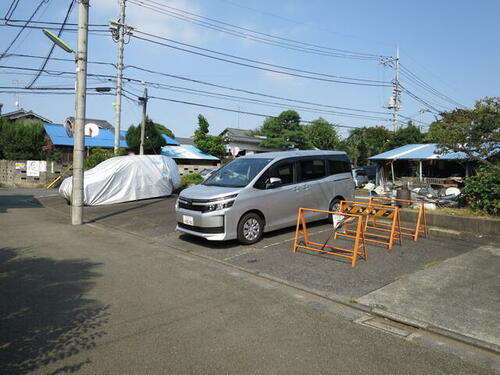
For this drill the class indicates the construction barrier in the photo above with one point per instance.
(374, 210)
(420, 225)
(302, 237)
(421, 222)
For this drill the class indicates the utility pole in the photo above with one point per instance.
(144, 101)
(120, 30)
(81, 97)
(395, 100)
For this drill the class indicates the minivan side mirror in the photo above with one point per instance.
(273, 182)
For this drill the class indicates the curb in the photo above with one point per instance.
(436, 330)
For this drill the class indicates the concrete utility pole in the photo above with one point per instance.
(144, 101)
(81, 97)
(119, 74)
(395, 102)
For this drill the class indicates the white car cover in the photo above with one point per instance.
(126, 178)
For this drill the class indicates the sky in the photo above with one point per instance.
(453, 47)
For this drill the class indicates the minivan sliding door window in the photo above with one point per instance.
(312, 169)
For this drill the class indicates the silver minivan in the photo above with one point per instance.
(261, 193)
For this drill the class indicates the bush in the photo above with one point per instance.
(21, 140)
(98, 155)
(482, 192)
(191, 179)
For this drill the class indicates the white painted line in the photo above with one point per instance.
(293, 238)
(240, 254)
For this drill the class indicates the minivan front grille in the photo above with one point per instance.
(192, 207)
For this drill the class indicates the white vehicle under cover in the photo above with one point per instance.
(127, 178)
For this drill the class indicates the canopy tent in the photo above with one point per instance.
(417, 153)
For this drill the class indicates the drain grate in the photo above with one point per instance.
(384, 325)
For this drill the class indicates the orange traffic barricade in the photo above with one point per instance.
(420, 225)
(388, 235)
(302, 237)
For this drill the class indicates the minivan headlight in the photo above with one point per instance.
(219, 206)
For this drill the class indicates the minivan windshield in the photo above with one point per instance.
(238, 173)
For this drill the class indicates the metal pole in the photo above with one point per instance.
(144, 100)
(78, 134)
(119, 75)
(395, 115)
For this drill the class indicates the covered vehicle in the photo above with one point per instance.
(127, 178)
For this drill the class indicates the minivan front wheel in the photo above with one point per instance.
(250, 228)
(334, 206)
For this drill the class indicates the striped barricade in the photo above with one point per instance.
(367, 210)
(340, 219)
(420, 224)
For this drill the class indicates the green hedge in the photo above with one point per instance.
(482, 192)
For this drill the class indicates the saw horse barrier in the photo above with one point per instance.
(302, 237)
(367, 210)
(420, 225)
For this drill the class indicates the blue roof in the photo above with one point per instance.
(105, 138)
(185, 152)
(418, 152)
(169, 140)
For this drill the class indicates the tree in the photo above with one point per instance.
(213, 145)
(475, 132)
(164, 130)
(21, 140)
(322, 135)
(153, 141)
(365, 142)
(409, 134)
(482, 192)
(284, 132)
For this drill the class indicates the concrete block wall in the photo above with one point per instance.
(12, 177)
(193, 168)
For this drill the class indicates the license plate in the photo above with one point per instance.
(188, 220)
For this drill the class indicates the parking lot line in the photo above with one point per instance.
(291, 239)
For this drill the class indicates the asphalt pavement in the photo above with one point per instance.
(120, 295)
(426, 280)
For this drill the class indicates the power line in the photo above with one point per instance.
(68, 13)
(257, 101)
(250, 34)
(12, 8)
(420, 100)
(23, 27)
(360, 83)
(226, 109)
(9, 20)
(414, 78)
(214, 85)
(240, 98)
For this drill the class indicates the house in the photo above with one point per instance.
(61, 138)
(421, 163)
(101, 124)
(189, 159)
(239, 143)
(23, 115)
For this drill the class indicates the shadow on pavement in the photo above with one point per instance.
(44, 317)
(18, 201)
(127, 209)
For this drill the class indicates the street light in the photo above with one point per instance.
(81, 97)
(58, 41)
